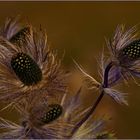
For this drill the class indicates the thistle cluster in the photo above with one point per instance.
(33, 82)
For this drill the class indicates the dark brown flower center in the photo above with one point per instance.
(54, 111)
(26, 69)
(20, 37)
(133, 50)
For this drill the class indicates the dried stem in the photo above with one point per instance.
(92, 110)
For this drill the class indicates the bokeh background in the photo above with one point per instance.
(80, 29)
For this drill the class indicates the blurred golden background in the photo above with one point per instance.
(79, 29)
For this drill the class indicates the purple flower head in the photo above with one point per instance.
(28, 67)
(53, 120)
(125, 54)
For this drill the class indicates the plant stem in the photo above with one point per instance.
(87, 115)
(105, 84)
(92, 110)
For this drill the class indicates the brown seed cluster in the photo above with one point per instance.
(133, 50)
(55, 110)
(26, 69)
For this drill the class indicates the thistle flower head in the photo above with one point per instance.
(120, 41)
(19, 38)
(27, 65)
(55, 120)
(125, 54)
(10, 27)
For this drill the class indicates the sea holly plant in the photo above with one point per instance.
(123, 63)
(33, 82)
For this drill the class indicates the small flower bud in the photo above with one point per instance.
(20, 37)
(54, 111)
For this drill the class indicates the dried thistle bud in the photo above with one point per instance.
(20, 37)
(124, 49)
(31, 126)
(26, 69)
(132, 51)
(38, 70)
(54, 111)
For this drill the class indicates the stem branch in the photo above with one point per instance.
(92, 110)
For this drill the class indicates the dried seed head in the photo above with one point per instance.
(26, 69)
(132, 51)
(54, 111)
(20, 37)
